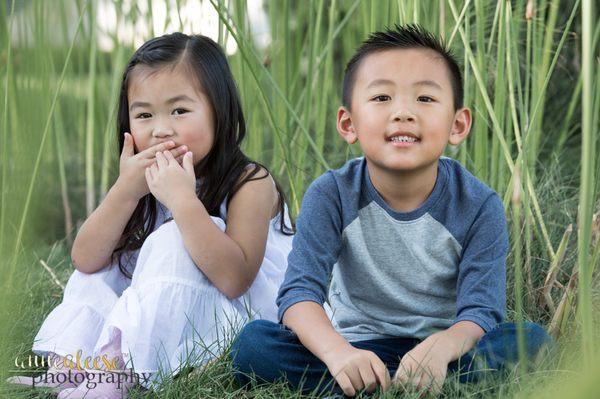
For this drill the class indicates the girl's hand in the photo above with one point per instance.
(132, 166)
(171, 183)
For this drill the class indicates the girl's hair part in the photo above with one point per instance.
(222, 169)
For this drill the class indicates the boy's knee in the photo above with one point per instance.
(248, 350)
(253, 336)
(536, 335)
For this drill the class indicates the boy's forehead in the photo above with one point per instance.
(403, 66)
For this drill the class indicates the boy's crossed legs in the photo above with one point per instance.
(271, 351)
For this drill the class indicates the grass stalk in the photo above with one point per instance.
(587, 182)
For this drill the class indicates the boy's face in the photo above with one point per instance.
(402, 111)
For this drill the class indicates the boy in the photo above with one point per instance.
(411, 246)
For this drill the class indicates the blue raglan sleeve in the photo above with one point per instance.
(315, 247)
(481, 286)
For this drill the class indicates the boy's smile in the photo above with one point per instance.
(402, 112)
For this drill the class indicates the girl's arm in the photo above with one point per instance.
(230, 259)
(99, 235)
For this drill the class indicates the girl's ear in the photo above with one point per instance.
(461, 126)
(345, 127)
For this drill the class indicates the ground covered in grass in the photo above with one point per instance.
(44, 293)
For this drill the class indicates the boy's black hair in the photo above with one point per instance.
(402, 37)
(222, 169)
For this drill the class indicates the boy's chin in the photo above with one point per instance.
(400, 167)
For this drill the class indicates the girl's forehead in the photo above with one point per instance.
(146, 78)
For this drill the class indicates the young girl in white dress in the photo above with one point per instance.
(190, 242)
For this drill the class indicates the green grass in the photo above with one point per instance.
(531, 80)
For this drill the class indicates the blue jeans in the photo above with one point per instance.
(270, 352)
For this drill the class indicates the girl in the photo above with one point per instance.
(190, 242)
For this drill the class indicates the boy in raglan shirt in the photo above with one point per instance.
(406, 246)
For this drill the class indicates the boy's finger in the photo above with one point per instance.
(382, 374)
(355, 379)
(368, 378)
(345, 383)
(415, 378)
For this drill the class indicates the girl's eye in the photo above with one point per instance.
(180, 111)
(143, 115)
(425, 99)
(381, 98)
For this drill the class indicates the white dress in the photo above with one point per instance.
(169, 314)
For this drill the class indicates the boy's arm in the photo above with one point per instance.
(481, 299)
(353, 369)
(316, 247)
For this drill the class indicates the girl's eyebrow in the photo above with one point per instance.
(181, 97)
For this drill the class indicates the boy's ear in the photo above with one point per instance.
(345, 127)
(461, 126)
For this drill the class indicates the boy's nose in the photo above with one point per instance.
(403, 114)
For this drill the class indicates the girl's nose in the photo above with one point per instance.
(162, 131)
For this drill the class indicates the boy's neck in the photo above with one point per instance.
(404, 191)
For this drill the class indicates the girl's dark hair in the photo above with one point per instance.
(225, 163)
(403, 37)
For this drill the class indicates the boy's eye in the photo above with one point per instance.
(425, 99)
(143, 115)
(381, 98)
(180, 111)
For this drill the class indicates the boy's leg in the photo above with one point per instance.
(498, 349)
(272, 352)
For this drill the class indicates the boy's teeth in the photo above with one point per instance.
(404, 139)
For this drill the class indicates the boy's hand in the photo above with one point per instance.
(132, 166)
(171, 183)
(356, 369)
(425, 366)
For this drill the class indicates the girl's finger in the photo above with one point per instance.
(188, 163)
(128, 150)
(151, 151)
(161, 160)
(169, 157)
(181, 150)
(149, 176)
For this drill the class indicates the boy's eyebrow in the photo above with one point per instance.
(171, 100)
(381, 82)
(429, 83)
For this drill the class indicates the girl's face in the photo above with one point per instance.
(166, 104)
